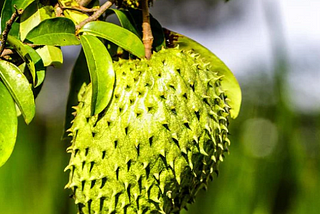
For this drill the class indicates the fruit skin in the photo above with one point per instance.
(158, 142)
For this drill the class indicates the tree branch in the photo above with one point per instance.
(96, 14)
(7, 29)
(146, 29)
(81, 9)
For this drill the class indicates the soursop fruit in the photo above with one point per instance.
(158, 142)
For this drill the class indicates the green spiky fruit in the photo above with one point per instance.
(158, 142)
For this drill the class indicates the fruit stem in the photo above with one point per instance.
(146, 29)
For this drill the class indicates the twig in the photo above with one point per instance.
(33, 45)
(6, 52)
(81, 9)
(58, 10)
(146, 29)
(96, 14)
(7, 29)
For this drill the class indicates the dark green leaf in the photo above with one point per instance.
(135, 17)
(8, 124)
(159, 41)
(79, 75)
(229, 82)
(56, 31)
(21, 4)
(116, 34)
(8, 10)
(125, 20)
(101, 72)
(1, 4)
(31, 57)
(40, 75)
(19, 88)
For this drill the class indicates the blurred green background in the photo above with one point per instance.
(274, 161)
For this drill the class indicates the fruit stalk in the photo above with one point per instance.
(146, 29)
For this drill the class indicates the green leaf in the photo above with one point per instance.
(7, 12)
(159, 41)
(32, 17)
(124, 20)
(40, 76)
(229, 83)
(116, 34)
(8, 124)
(56, 32)
(1, 5)
(51, 55)
(79, 76)
(31, 57)
(21, 4)
(19, 88)
(101, 72)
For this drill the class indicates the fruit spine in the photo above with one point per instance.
(157, 143)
